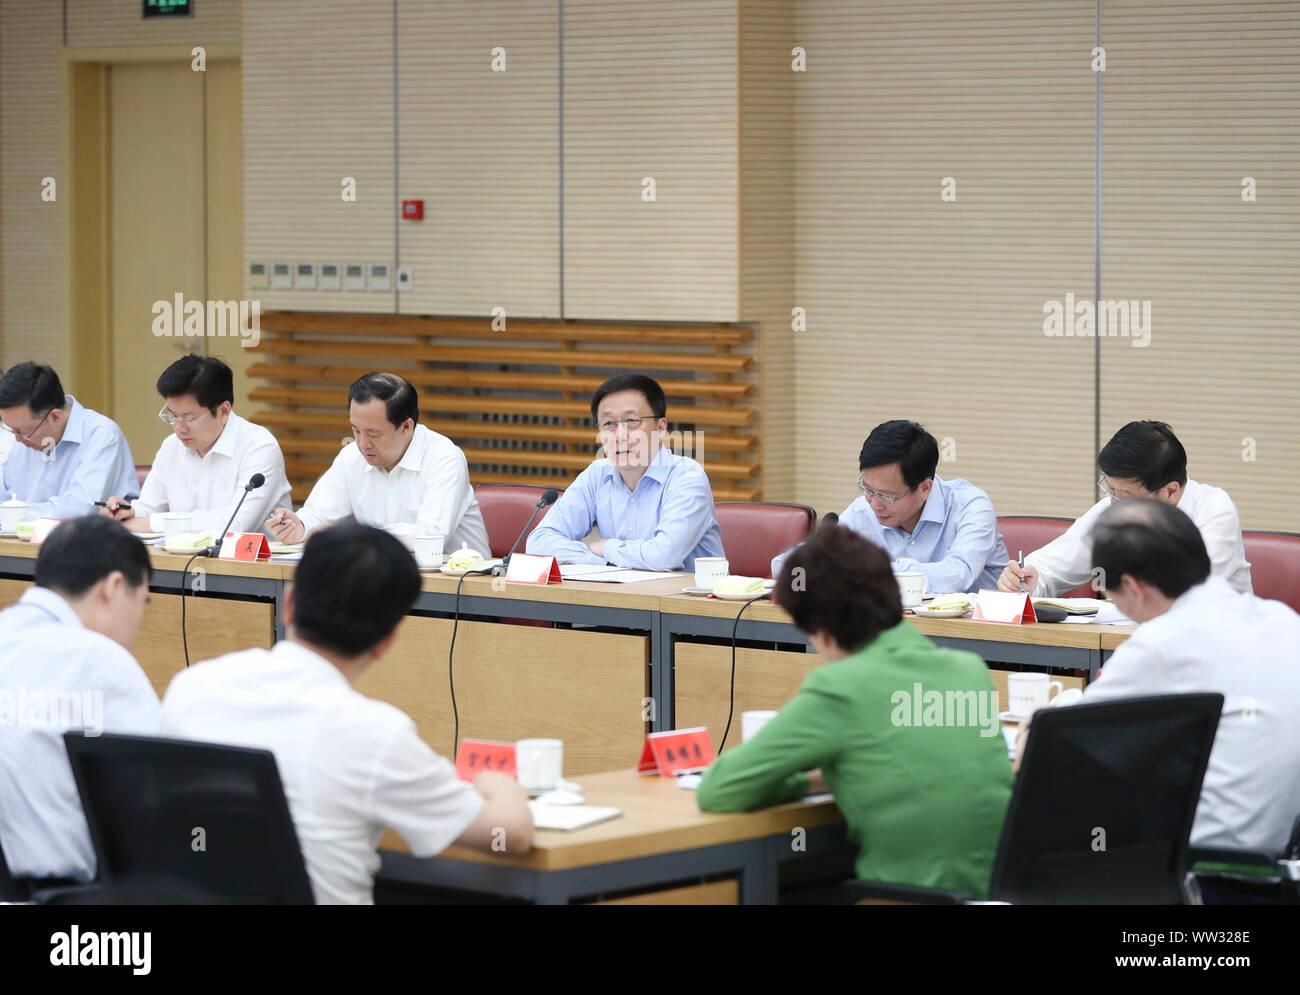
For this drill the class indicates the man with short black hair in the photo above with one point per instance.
(65, 663)
(351, 766)
(653, 508)
(1144, 459)
(203, 467)
(923, 791)
(68, 456)
(396, 474)
(945, 529)
(1198, 634)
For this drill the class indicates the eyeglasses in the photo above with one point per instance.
(27, 436)
(167, 418)
(632, 423)
(883, 499)
(1101, 486)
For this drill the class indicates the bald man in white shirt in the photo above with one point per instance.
(1144, 459)
(396, 474)
(1197, 634)
(65, 663)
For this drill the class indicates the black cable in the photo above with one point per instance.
(185, 570)
(451, 680)
(735, 625)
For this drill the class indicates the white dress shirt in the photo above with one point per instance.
(427, 491)
(1066, 561)
(350, 765)
(209, 487)
(1215, 639)
(56, 675)
(7, 442)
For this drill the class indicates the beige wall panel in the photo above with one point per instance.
(767, 208)
(318, 107)
(31, 232)
(651, 90)
(481, 149)
(1196, 97)
(929, 310)
(92, 23)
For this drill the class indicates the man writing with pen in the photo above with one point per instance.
(203, 466)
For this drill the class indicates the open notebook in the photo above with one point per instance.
(568, 817)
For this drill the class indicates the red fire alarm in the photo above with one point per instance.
(412, 210)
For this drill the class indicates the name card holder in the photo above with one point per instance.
(676, 751)
(1007, 607)
(476, 756)
(250, 546)
(530, 568)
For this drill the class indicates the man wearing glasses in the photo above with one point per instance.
(65, 457)
(945, 529)
(1144, 459)
(204, 465)
(653, 508)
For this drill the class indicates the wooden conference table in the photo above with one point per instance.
(656, 852)
(609, 663)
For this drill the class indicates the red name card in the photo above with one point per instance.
(44, 526)
(476, 756)
(1009, 607)
(245, 546)
(529, 568)
(677, 751)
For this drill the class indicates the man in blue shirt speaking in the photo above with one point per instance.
(654, 509)
(945, 529)
(67, 456)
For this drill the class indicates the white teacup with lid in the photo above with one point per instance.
(12, 512)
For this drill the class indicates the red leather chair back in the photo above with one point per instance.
(506, 508)
(1274, 565)
(1031, 532)
(140, 473)
(753, 532)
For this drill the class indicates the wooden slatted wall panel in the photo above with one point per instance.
(93, 23)
(481, 148)
(929, 310)
(31, 270)
(318, 107)
(650, 90)
(767, 206)
(1196, 97)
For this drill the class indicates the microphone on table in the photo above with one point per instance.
(830, 518)
(256, 481)
(547, 499)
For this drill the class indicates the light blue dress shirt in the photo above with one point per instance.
(664, 524)
(92, 462)
(956, 543)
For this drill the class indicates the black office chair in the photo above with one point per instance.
(1233, 876)
(187, 823)
(1102, 809)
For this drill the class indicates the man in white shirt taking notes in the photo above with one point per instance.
(65, 663)
(1144, 459)
(203, 467)
(351, 766)
(396, 474)
(1198, 634)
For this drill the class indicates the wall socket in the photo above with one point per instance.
(404, 279)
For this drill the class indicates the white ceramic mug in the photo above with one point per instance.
(12, 512)
(911, 586)
(540, 763)
(752, 722)
(175, 522)
(428, 551)
(1026, 693)
(709, 570)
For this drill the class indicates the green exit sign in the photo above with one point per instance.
(168, 8)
